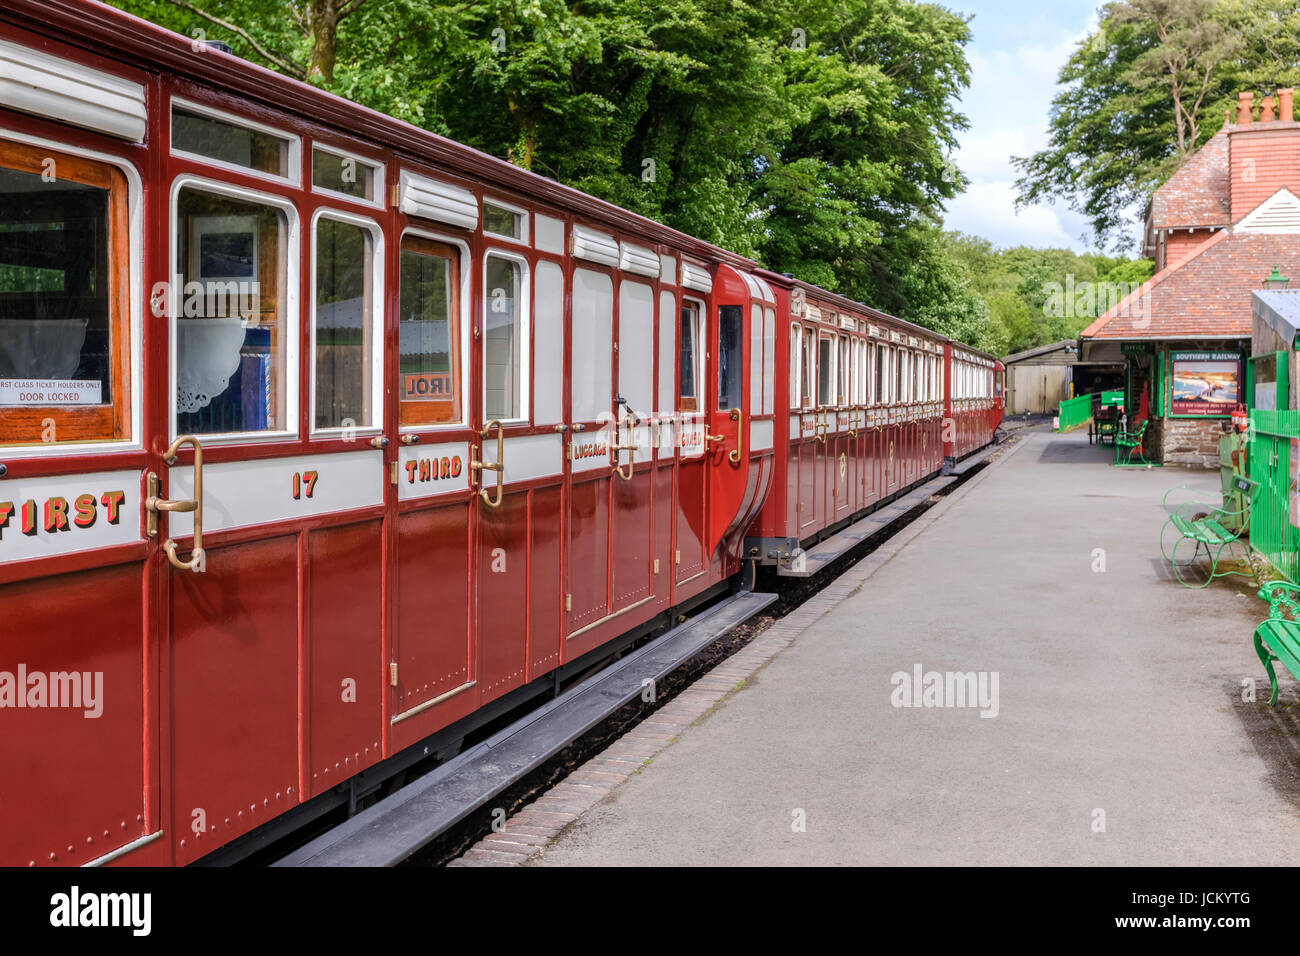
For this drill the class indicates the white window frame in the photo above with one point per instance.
(380, 177)
(378, 298)
(292, 307)
(466, 286)
(525, 333)
(295, 142)
(701, 347)
(796, 366)
(135, 316)
(526, 223)
(835, 354)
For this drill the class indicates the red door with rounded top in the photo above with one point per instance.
(727, 414)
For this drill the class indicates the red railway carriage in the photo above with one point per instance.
(873, 406)
(325, 440)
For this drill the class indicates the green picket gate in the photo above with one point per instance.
(1074, 412)
(1271, 532)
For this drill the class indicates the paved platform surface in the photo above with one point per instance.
(1120, 735)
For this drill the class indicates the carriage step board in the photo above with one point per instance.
(397, 826)
(974, 459)
(836, 545)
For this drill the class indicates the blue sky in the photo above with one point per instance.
(1016, 52)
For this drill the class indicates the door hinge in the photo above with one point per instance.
(677, 557)
(568, 602)
(396, 194)
(392, 473)
(392, 673)
(656, 568)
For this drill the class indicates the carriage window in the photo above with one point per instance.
(344, 326)
(918, 376)
(900, 360)
(825, 370)
(809, 368)
(64, 364)
(882, 376)
(428, 333)
(729, 356)
(845, 372)
(503, 338)
(227, 142)
(343, 174)
(504, 222)
(231, 374)
(796, 356)
(690, 357)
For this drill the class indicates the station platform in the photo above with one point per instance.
(1116, 730)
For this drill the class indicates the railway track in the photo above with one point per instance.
(437, 817)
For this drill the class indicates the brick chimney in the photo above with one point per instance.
(1263, 154)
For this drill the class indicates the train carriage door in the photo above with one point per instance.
(79, 750)
(810, 436)
(432, 503)
(517, 466)
(841, 466)
(692, 470)
(727, 411)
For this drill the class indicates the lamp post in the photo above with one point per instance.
(1276, 280)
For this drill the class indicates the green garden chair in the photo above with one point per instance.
(1201, 519)
(1278, 638)
(1126, 443)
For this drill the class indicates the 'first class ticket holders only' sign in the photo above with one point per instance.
(36, 392)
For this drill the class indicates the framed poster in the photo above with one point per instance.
(1204, 383)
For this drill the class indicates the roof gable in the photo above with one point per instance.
(1198, 193)
(1280, 214)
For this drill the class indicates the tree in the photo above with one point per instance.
(811, 135)
(1137, 98)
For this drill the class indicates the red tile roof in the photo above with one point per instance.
(1205, 295)
(1196, 195)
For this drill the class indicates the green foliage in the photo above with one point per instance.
(1139, 96)
(1037, 296)
(811, 135)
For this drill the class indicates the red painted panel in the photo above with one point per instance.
(546, 586)
(434, 652)
(347, 676)
(502, 579)
(630, 539)
(664, 522)
(234, 693)
(690, 516)
(588, 564)
(72, 777)
(809, 469)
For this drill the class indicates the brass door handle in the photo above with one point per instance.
(709, 438)
(155, 506)
(499, 466)
(618, 450)
(738, 453)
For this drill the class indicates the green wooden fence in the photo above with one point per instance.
(1271, 531)
(1074, 412)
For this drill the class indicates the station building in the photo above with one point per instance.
(1227, 224)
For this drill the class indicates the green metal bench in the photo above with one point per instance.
(1128, 442)
(1278, 638)
(1207, 524)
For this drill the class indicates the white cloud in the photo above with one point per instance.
(1012, 84)
(988, 209)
